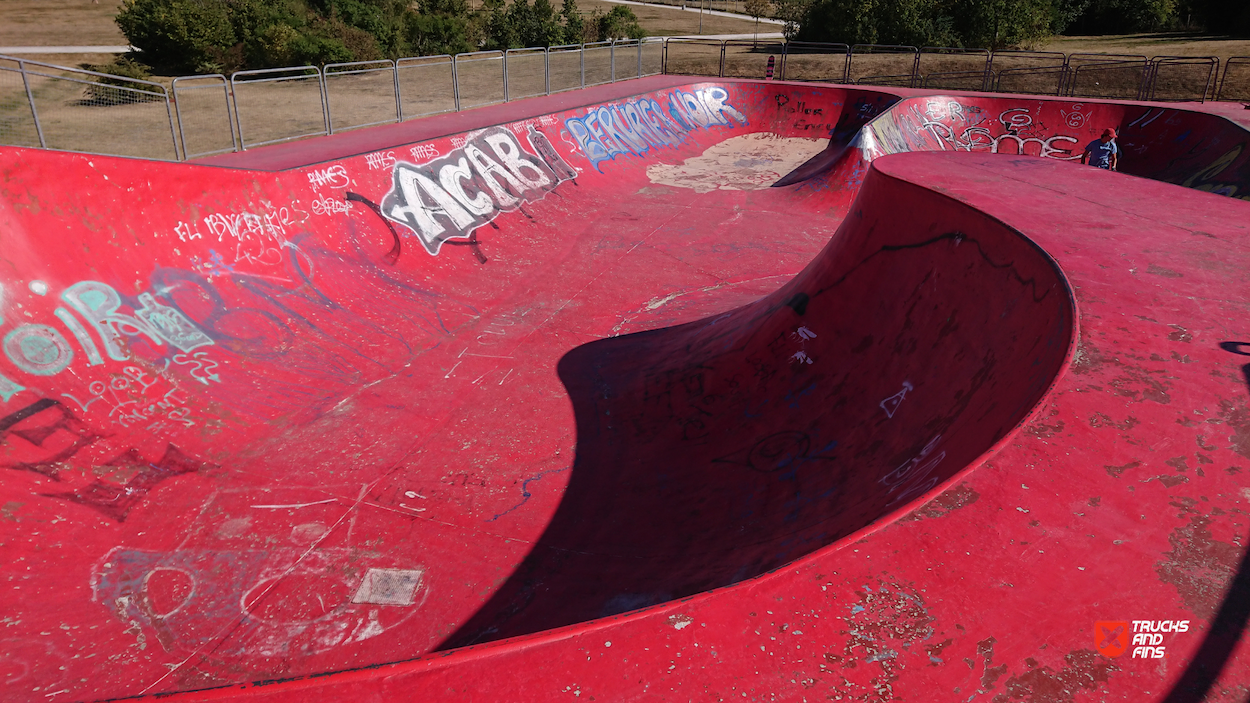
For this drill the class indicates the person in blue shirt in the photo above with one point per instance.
(1102, 152)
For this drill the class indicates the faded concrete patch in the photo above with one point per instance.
(747, 162)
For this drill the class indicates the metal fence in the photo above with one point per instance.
(1235, 83)
(42, 105)
(57, 107)
(1116, 76)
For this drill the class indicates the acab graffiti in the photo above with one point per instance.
(450, 197)
(635, 127)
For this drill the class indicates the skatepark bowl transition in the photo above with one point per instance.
(665, 390)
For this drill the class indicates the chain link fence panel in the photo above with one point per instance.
(527, 73)
(693, 57)
(274, 105)
(598, 63)
(1033, 72)
(1235, 83)
(882, 64)
(809, 61)
(360, 94)
(626, 60)
(745, 58)
(93, 112)
(1120, 76)
(653, 56)
(948, 68)
(480, 79)
(564, 64)
(17, 122)
(1183, 77)
(202, 109)
(426, 85)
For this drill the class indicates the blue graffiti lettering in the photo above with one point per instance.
(639, 126)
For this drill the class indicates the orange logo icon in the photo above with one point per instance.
(1111, 637)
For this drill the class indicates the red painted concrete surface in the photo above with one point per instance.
(551, 410)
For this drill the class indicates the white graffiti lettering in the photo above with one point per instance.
(422, 152)
(258, 238)
(333, 176)
(329, 206)
(450, 197)
(381, 160)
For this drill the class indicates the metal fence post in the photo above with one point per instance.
(612, 58)
(639, 59)
(505, 75)
(234, 104)
(30, 97)
(455, 82)
(181, 130)
(173, 132)
(721, 72)
(399, 105)
(583, 55)
(547, 69)
(325, 101)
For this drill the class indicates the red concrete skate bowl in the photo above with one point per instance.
(555, 369)
(711, 452)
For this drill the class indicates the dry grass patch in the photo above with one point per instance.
(1151, 45)
(59, 23)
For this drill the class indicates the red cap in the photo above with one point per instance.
(1108, 132)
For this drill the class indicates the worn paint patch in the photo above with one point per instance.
(883, 629)
(680, 621)
(1238, 420)
(1198, 566)
(990, 674)
(949, 501)
(8, 511)
(1115, 471)
(1085, 670)
(747, 162)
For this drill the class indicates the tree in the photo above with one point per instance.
(757, 9)
(1124, 16)
(620, 23)
(574, 26)
(998, 24)
(437, 27)
(792, 13)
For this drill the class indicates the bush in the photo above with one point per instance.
(186, 36)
